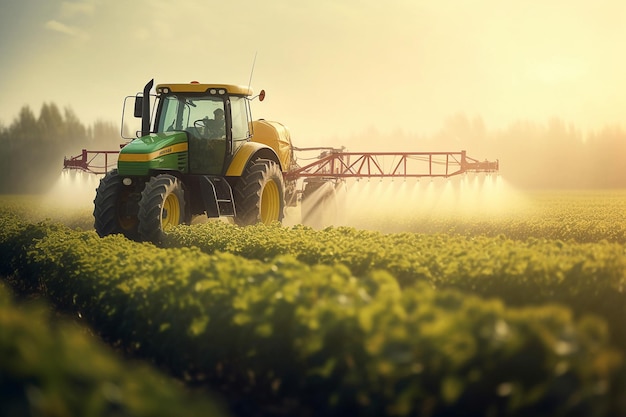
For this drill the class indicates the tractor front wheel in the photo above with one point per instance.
(112, 208)
(162, 206)
(260, 194)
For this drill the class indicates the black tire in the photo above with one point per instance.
(319, 207)
(161, 206)
(260, 194)
(111, 208)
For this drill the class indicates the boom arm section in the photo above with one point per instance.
(336, 163)
(94, 162)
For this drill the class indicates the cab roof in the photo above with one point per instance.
(196, 87)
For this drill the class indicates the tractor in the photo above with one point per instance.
(201, 153)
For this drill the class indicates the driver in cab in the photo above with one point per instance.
(215, 127)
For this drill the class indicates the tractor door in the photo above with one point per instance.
(202, 118)
(206, 127)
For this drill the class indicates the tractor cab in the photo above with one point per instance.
(214, 117)
(211, 120)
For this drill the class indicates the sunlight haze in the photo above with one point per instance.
(331, 69)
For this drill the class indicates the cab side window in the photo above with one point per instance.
(240, 119)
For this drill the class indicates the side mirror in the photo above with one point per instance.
(262, 95)
(138, 106)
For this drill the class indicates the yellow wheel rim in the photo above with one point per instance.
(270, 203)
(170, 215)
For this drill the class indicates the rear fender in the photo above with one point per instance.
(249, 152)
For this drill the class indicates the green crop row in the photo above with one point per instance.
(50, 367)
(75, 212)
(587, 277)
(319, 339)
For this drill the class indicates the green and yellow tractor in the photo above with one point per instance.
(198, 152)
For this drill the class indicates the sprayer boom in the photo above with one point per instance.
(94, 162)
(336, 163)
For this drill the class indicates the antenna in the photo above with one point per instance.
(261, 95)
(252, 70)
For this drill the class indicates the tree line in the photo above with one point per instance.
(33, 146)
(547, 155)
(550, 155)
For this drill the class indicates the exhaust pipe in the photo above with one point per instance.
(145, 109)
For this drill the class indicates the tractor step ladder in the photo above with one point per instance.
(224, 197)
(217, 196)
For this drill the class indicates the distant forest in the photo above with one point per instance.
(551, 155)
(32, 147)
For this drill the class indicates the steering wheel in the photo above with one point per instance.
(203, 126)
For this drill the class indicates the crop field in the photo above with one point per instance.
(510, 312)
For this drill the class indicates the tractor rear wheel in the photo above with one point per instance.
(260, 194)
(112, 211)
(162, 206)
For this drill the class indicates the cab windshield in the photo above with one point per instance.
(200, 116)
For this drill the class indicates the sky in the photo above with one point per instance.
(331, 68)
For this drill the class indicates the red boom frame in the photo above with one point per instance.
(337, 163)
(87, 161)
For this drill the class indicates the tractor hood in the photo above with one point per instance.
(154, 142)
(156, 151)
